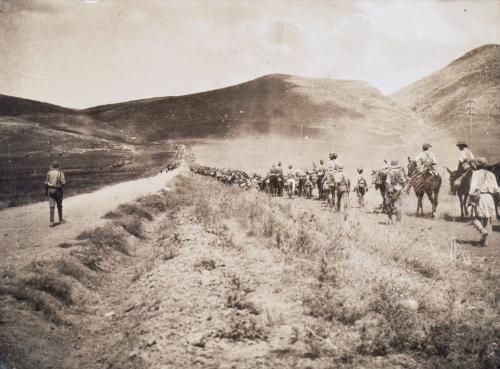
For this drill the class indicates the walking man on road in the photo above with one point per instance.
(483, 188)
(54, 190)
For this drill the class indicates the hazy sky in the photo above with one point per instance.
(83, 53)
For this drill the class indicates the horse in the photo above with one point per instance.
(378, 180)
(462, 190)
(424, 183)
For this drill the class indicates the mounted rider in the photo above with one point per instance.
(466, 162)
(483, 189)
(396, 181)
(426, 160)
(333, 162)
(361, 187)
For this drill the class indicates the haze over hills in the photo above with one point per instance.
(466, 90)
(281, 104)
(270, 104)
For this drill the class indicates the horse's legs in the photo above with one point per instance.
(420, 209)
(435, 201)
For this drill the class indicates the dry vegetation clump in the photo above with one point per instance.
(156, 203)
(243, 326)
(51, 283)
(105, 237)
(205, 264)
(134, 210)
(133, 226)
(379, 290)
(34, 298)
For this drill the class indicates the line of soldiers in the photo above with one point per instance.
(332, 182)
(334, 185)
(232, 177)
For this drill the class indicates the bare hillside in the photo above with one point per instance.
(271, 104)
(466, 90)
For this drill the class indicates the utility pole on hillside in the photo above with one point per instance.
(470, 111)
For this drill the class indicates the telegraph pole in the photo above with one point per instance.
(470, 111)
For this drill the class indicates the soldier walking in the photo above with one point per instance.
(395, 182)
(54, 184)
(483, 188)
(343, 186)
(361, 188)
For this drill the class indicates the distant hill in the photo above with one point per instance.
(465, 91)
(15, 106)
(281, 104)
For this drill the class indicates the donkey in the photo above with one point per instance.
(424, 183)
(462, 189)
(378, 180)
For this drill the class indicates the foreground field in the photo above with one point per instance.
(206, 276)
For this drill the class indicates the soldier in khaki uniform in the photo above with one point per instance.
(396, 180)
(483, 189)
(54, 184)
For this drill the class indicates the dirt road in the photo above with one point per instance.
(25, 229)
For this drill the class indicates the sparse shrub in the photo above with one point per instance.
(105, 237)
(52, 284)
(154, 202)
(71, 269)
(205, 263)
(64, 245)
(90, 256)
(112, 215)
(242, 326)
(33, 298)
(132, 226)
(134, 210)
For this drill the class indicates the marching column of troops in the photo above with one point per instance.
(334, 185)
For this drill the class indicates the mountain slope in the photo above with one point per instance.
(465, 91)
(14, 106)
(271, 104)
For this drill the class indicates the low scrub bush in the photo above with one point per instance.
(242, 326)
(134, 210)
(105, 237)
(51, 283)
(132, 226)
(33, 298)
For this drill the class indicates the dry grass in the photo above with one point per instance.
(381, 289)
(105, 237)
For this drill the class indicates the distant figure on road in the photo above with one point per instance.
(426, 160)
(483, 188)
(54, 190)
(395, 182)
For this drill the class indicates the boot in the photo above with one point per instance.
(484, 233)
(51, 217)
(60, 214)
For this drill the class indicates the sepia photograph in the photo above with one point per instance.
(249, 184)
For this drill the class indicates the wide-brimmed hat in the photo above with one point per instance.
(394, 163)
(55, 165)
(360, 170)
(482, 162)
(461, 143)
(426, 146)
